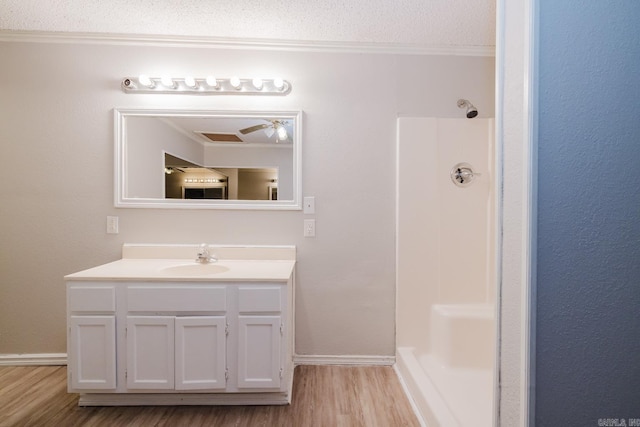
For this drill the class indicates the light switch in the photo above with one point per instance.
(310, 205)
(309, 228)
(112, 225)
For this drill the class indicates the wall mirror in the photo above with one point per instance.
(207, 159)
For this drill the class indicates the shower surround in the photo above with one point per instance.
(446, 287)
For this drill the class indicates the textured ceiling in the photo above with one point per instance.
(403, 22)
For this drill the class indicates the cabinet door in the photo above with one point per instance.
(259, 351)
(200, 353)
(150, 352)
(92, 352)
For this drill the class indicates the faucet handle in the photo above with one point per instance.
(204, 256)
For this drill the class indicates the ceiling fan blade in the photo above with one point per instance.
(254, 128)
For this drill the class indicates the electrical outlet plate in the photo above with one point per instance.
(112, 225)
(309, 228)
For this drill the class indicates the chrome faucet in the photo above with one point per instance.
(204, 256)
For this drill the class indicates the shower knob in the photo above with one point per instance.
(462, 174)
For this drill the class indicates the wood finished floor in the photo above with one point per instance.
(324, 396)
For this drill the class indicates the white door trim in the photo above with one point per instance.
(516, 105)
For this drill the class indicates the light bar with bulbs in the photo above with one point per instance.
(206, 86)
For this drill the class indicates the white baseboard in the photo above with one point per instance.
(303, 359)
(299, 359)
(33, 359)
(193, 399)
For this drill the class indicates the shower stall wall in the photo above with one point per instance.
(445, 326)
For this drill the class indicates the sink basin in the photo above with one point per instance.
(195, 269)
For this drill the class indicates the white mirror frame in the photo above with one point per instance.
(120, 159)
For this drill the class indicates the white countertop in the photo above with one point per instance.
(160, 270)
(146, 267)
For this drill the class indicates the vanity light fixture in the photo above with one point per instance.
(235, 82)
(191, 82)
(212, 82)
(257, 83)
(205, 86)
(167, 82)
(145, 81)
(204, 180)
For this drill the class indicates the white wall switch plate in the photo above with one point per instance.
(310, 205)
(309, 228)
(112, 225)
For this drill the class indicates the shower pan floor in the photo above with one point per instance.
(445, 396)
(467, 392)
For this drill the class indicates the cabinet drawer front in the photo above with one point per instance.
(177, 298)
(259, 299)
(92, 299)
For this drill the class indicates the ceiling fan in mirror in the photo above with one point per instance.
(277, 127)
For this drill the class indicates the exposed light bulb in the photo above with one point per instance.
(282, 133)
(145, 80)
(211, 81)
(278, 83)
(235, 82)
(190, 81)
(257, 83)
(167, 81)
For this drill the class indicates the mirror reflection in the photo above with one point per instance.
(173, 158)
(186, 180)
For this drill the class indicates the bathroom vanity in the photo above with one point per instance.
(158, 328)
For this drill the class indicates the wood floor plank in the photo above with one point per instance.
(323, 396)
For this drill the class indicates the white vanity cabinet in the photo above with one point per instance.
(91, 339)
(261, 329)
(158, 328)
(176, 336)
(181, 353)
(189, 342)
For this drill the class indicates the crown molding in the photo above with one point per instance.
(242, 43)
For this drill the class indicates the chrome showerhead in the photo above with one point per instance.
(471, 110)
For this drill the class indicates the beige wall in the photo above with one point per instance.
(147, 141)
(57, 122)
(280, 158)
(253, 184)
